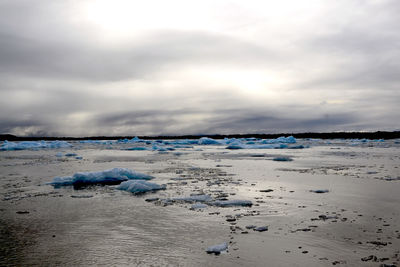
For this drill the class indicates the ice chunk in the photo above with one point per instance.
(320, 191)
(71, 154)
(136, 148)
(261, 228)
(207, 141)
(198, 206)
(282, 139)
(139, 186)
(111, 176)
(33, 145)
(231, 203)
(282, 159)
(217, 249)
(194, 198)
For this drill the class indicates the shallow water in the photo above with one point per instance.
(105, 226)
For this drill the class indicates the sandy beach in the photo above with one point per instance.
(333, 202)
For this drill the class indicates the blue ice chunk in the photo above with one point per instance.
(71, 154)
(140, 186)
(33, 145)
(235, 146)
(78, 157)
(115, 175)
(208, 141)
(282, 139)
(217, 249)
(282, 159)
(136, 148)
(231, 203)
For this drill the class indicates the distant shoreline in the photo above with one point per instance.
(332, 135)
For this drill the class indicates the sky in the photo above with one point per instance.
(125, 67)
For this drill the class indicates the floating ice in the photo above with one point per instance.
(282, 139)
(97, 142)
(33, 145)
(71, 154)
(231, 203)
(207, 141)
(139, 186)
(194, 198)
(217, 249)
(111, 176)
(282, 159)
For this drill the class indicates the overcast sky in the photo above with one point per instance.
(124, 67)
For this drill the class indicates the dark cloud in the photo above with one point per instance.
(58, 77)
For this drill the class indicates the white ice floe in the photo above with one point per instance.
(139, 186)
(108, 176)
(33, 145)
(217, 249)
(231, 203)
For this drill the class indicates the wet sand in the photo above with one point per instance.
(355, 223)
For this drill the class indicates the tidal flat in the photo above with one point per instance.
(287, 202)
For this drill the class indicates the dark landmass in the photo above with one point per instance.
(333, 135)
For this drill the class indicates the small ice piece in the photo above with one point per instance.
(194, 198)
(320, 191)
(282, 159)
(261, 229)
(140, 186)
(207, 141)
(78, 157)
(81, 196)
(234, 146)
(136, 148)
(217, 249)
(111, 176)
(232, 203)
(198, 206)
(71, 154)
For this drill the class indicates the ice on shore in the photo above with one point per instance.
(102, 177)
(217, 249)
(33, 145)
(140, 186)
(231, 203)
